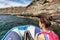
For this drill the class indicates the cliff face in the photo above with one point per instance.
(49, 7)
(12, 10)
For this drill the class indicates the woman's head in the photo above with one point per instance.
(45, 20)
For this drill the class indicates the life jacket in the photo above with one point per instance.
(49, 35)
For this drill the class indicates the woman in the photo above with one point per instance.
(45, 24)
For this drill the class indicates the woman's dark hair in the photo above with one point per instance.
(46, 19)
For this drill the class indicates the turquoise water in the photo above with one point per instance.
(8, 21)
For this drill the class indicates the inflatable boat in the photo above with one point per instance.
(22, 32)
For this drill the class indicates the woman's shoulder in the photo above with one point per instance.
(41, 37)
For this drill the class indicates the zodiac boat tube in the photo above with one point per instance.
(18, 33)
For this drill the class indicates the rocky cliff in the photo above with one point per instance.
(12, 10)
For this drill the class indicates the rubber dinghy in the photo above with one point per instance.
(22, 33)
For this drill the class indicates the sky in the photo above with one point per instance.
(14, 3)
